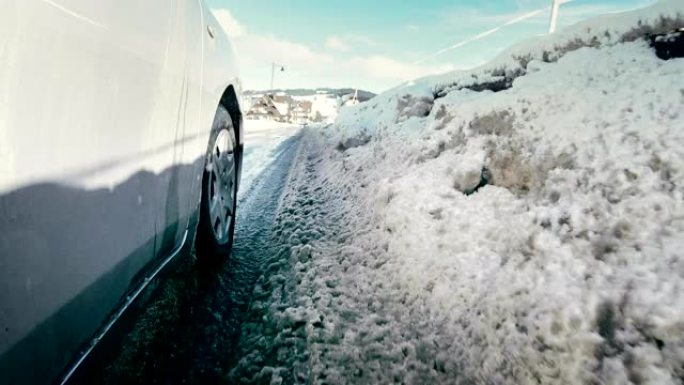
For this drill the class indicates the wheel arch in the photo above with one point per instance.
(231, 102)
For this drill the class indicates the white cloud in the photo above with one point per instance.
(337, 43)
(256, 48)
(272, 49)
(412, 28)
(346, 42)
(361, 39)
(233, 28)
(385, 67)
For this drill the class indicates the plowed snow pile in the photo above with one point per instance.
(521, 223)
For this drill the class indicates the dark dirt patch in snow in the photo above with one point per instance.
(665, 24)
(495, 83)
(356, 141)
(411, 106)
(669, 45)
(498, 123)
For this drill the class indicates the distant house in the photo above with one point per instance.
(281, 108)
(299, 106)
(301, 111)
(284, 105)
(264, 108)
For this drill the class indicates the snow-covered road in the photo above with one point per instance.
(262, 138)
(520, 223)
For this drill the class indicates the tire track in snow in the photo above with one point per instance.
(189, 331)
(330, 313)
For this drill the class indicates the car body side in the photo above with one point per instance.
(106, 110)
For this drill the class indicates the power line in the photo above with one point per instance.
(529, 15)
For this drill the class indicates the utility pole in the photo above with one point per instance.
(555, 7)
(273, 68)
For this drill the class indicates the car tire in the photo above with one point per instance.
(216, 226)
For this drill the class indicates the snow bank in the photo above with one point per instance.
(521, 223)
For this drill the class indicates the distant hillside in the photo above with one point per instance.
(363, 95)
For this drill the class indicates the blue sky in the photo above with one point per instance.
(375, 45)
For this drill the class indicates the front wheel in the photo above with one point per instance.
(216, 225)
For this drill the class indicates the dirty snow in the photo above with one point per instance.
(447, 233)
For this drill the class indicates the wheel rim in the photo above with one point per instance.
(221, 174)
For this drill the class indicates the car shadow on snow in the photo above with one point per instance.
(64, 268)
(189, 328)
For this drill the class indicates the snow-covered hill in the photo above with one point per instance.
(521, 223)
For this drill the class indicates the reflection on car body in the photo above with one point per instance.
(109, 111)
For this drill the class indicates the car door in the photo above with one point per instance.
(89, 141)
(177, 191)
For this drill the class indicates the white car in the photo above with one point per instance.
(120, 145)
